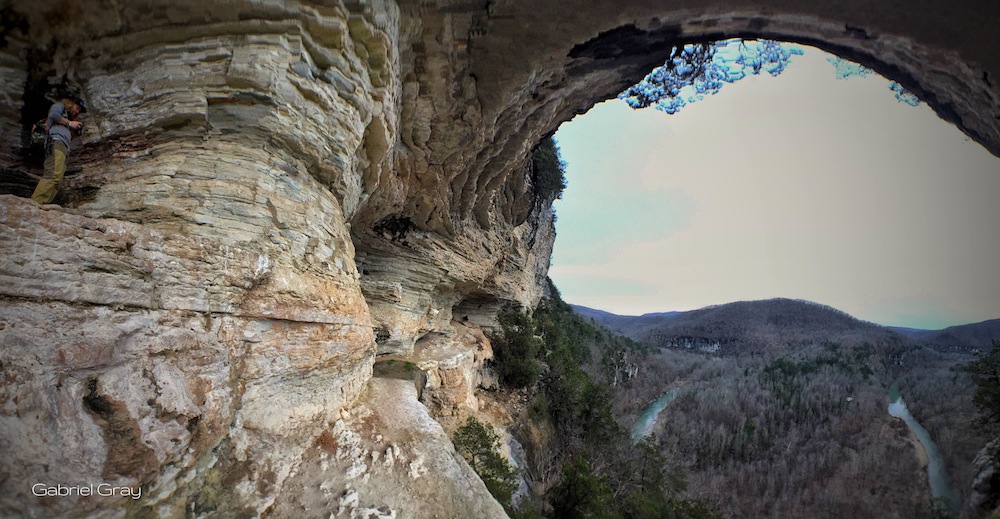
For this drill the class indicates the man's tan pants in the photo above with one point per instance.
(55, 168)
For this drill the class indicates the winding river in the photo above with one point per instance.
(643, 426)
(936, 474)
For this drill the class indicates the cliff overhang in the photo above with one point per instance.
(268, 195)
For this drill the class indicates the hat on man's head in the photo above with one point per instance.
(79, 101)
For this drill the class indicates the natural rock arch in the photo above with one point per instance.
(468, 88)
(273, 192)
(529, 77)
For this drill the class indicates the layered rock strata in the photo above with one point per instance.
(133, 355)
(195, 318)
(273, 192)
(454, 363)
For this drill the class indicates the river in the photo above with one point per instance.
(936, 474)
(643, 426)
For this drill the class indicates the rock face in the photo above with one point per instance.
(984, 501)
(273, 192)
(386, 458)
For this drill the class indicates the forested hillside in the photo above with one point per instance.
(746, 326)
(580, 461)
(787, 417)
(965, 338)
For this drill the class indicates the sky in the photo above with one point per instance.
(802, 186)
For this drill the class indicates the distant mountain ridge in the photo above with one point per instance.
(965, 337)
(745, 325)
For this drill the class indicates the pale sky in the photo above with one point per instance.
(800, 186)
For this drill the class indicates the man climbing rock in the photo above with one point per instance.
(60, 127)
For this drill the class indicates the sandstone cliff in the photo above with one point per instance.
(271, 193)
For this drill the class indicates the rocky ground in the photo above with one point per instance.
(385, 458)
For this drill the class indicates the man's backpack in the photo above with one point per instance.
(38, 133)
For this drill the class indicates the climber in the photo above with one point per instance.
(59, 126)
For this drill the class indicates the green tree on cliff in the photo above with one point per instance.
(581, 493)
(516, 350)
(985, 371)
(548, 170)
(479, 444)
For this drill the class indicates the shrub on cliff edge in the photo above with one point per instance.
(479, 444)
(548, 170)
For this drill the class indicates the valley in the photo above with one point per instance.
(788, 418)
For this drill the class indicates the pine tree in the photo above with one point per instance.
(479, 444)
(985, 371)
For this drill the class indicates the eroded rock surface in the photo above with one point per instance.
(984, 501)
(386, 457)
(130, 354)
(270, 193)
